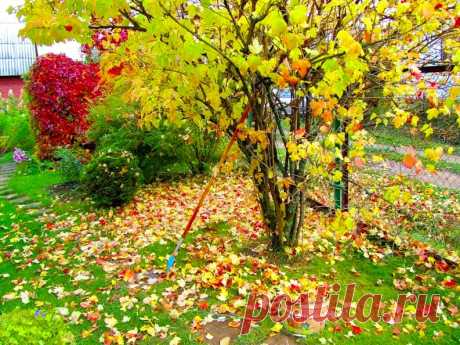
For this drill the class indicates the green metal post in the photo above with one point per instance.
(337, 185)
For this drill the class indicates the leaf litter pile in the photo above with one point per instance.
(105, 273)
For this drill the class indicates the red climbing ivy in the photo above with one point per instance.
(61, 90)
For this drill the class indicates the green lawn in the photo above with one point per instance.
(5, 158)
(400, 137)
(37, 183)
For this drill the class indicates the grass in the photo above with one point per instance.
(36, 186)
(36, 183)
(400, 137)
(19, 229)
(5, 158)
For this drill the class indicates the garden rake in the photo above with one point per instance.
(216, 170)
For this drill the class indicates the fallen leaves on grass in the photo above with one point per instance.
(106, 273)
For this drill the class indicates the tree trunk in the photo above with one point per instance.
(283, 216)
(282, 204)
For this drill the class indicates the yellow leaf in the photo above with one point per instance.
(432, 113)
(434, 154)
(427, 10)
(348, 43)
(175, 341)
(337, 176)
(298, 14)
(277, 327)
(223, 295)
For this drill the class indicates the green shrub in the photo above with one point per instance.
(15, 128)
(161, 154)
(33, 166)
(111, 177)
(69, 164)
(164, 151)
(26, 327)
(204, 147)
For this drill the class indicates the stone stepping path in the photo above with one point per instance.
(21, 201)
(222, 331)
(441, 178)
(219, 333)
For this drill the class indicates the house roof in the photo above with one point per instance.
(16, 54)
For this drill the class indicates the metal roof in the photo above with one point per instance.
(16, 54)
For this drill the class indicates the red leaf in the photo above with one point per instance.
(442, 266)
(356, 329)
(116, 70)
(449, 283)
(127, 275)
(457, 22)
(93, 316)
(300, 132)
(203, 305)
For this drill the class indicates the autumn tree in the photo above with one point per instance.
(208, 61)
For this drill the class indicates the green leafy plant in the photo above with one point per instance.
(164, 151)
(69, 165)
(111, 177)
(33, 165)
(26, 327)
(15, 128)
(203, 146)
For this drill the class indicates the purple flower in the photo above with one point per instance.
(19, 155)
(39, 313)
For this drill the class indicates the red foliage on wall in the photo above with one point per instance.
(61, 90)
(10, 85)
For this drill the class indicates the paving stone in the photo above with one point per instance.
(5, 190)
(23, 200)
(34, 205)
(11, 196)
(215, 331)
(281, 339)
(38, 212)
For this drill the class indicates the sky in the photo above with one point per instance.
(71, 49)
